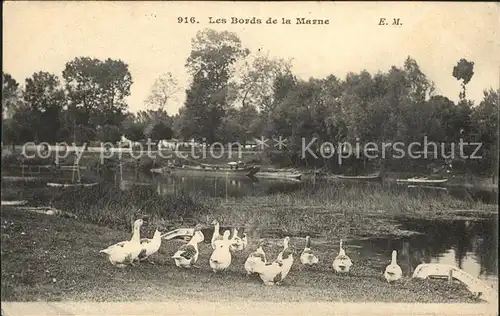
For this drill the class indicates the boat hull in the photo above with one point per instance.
(413, 186)
(376, 177)
(71, 185)
(14, 203)
(163, 170)
(16, 178)
(436, 270)
(250, 171)
(421, 181)
(278, 175)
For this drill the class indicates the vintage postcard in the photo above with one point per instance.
(249, 158)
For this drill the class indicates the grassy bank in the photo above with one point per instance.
(108, 206)
(51, 258)
(344, 210)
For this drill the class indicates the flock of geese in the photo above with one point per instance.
(130, 252)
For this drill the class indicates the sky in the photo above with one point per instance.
(43, 36)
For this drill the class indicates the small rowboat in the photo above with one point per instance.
(412, 186)
(249, 171)
(279, 175)
(278, 179)
(367, 177)
(47, 210)
(15, 178)
(162, 170)
(32, 166)
(475, 285)
(72, 167)
(14, 203)
(422, 180)
(72, 185)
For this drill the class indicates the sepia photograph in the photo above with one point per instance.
(250, 158)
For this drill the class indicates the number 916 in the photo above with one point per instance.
(186, 20)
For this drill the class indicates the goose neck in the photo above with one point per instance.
(285, 243)
(308, 242)
(394, 257)
(136, 236)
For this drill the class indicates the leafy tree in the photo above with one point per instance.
(329, 112)
(108, 133)
(485, 122)
(162, 92)
(420, 88)
(154, 124)
(294, 116)
(45, 99)
(358, 91)
(160, 131)
(231, 129)
(75, 125)
(211, 63)
(99, 88)
(82, 85)
(249, 120)
(134, 132)
(257, 78)
(464, 70)
(176, 124)
(269, 115)
(10, 95)
(376, 108)
(150, 118)
(19, 129)
(133, 129)
(9, 132)
(452, 118)
(422, 119)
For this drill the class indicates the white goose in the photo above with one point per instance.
(270, 273)
(393, 271)
(286, 258)
(221, 256)
(187, 255)
(255, 258)
(342, 263)
(216, 235)
(150, 246)
(124, 253)
(308, 258)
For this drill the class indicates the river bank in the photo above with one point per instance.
(345, 210)
(61, 263)
(65, 250)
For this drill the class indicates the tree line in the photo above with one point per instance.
(237, 95)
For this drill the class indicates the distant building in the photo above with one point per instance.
(168, 144)
(250, 145)
(125, 142)
(174, 143)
